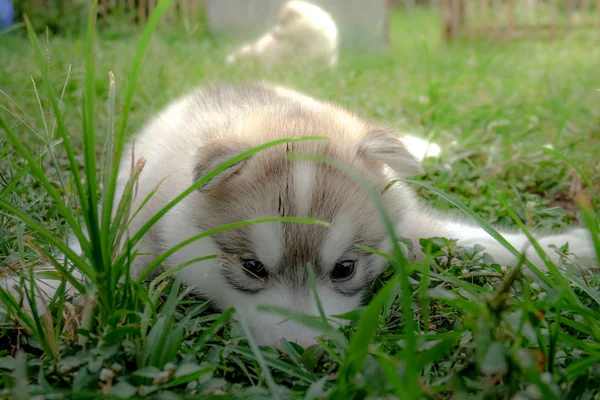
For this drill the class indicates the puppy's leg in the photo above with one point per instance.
(269, 49)
(252, 49)
(244, 51)
(45, 288)
(426, 223)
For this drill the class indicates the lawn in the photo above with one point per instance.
(519, 128)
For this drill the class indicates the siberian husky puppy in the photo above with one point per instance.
(303, 33)
(266, 263)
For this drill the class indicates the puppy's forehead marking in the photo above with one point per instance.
(268, 242)
(303, 177)
(339, 239)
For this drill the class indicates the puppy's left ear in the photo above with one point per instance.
(384, 145)
(211, 155)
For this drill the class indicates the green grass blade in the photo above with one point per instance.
(40, 330)
(120, 137)
(486, 226)
(358, 348)
(8, 187)
(60, 267)
(313, 287)
(63, 132)
(98, 252)
(273, 387)
(173, 270)
(107, 233)
(579, 171)
(276, 363)
(12, 305)
(556, 274)
(41, 177)
(157, 348)
(590, 221)
(200, 344)
(52, 239)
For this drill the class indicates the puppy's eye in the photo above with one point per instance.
(343, 270)
(254, 268)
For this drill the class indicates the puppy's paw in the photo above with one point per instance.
(44, 291)
(13, 287)
(230, 59)
(574, 246)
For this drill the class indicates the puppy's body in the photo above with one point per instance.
(266, 263)
(303, 33)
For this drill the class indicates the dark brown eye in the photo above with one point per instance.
(255, 269)
(343, 270)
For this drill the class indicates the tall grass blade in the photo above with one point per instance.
(556, 274)
(590, 221)
(98, 252)
(579, 171)
(113, 275)
(64, 135)
(157, 350)
(273, 387)
(55, 241)
(276, 363)
(486, 226)
(120, 136)
(313, 287)
(200, 344)
(43, 180)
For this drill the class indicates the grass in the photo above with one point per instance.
(479, 331)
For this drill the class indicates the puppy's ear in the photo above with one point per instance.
(384, 145)
(288, 14)
(211, 156)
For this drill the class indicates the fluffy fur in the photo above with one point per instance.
(303, 33)
(206, 127)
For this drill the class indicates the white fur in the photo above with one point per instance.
(311, 36)
(431, 224)
(169, 144)
(338, 239)
(268, 242)
(421, 148)
(304, 176)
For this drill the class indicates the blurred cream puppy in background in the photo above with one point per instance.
(304, 33)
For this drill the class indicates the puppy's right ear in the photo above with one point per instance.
(385, 145)
(212, 155)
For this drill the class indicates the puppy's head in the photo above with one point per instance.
(267, 263)
(300, 21)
